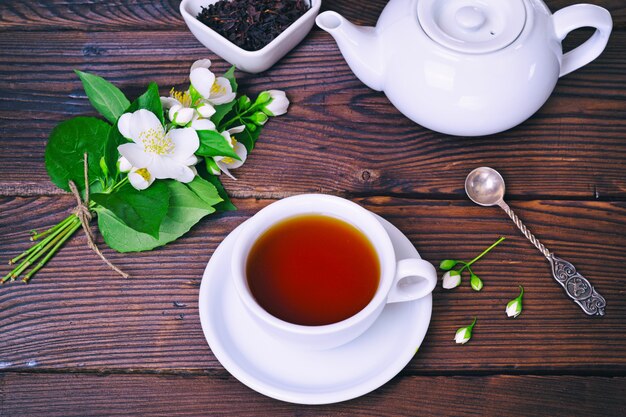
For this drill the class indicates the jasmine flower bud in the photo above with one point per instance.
(260, 118)
(464, 334)
(278, 105)
(263, 97)
(244, 103)
(476, 282)
(123, 165)
(447, 264)
(514, 307)
(451, 279)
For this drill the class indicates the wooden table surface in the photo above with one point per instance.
(80, 340)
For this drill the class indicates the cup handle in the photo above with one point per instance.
(415, 278)
(578, 16)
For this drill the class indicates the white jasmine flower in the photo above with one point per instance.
(214, 90)
(181, 109)
(464, 334)
(278, 104)
(514, 307)
(140, 178)
(162, 154)
(226, 163)
(451, 279)
(179, 106)
(202, 124)
(205, 109)
(201, 63)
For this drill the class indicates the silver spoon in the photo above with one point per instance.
(485, 186)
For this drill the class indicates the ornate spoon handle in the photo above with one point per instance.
(577, 287)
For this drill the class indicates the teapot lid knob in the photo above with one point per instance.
(470, 18)
(472, 26)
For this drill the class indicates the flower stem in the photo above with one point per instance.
(61, 240)
(468, 264)
(37, 250)
(240, 116)
(117, 186)
(37, 236)
(226, 125)
(42, 248)
(36, 247)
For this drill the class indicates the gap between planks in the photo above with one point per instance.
(34, 189)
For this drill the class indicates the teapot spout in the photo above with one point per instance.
(359, 45)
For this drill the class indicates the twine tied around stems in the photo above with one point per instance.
(84, 215)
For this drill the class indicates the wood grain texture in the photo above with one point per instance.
(79, 316)
(81, 341)
(339, 136)
(99, 15)
(67, 395)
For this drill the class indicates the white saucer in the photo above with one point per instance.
(304, 376)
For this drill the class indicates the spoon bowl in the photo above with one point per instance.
(485, 186)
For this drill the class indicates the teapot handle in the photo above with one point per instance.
(578, 16)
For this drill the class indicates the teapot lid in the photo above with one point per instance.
(472, 26)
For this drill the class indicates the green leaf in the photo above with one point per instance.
(230, 76)
(249, 138)
(222, 110)
(150, 100)
(142, 211)
(68, 142)
(214, 144)
(226, 204)
(205, 190)
(104, 96)
(103, 167)
(185, 210)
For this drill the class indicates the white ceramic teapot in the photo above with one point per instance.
(468, 67)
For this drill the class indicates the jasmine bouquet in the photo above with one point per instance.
(149, 171)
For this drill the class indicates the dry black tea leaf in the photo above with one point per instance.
(252, 24)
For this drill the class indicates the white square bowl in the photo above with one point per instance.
(248, 61)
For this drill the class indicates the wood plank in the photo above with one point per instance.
(166, 395)
(89, 15)
(78, 315)
(356, 141)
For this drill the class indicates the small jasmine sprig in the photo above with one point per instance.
(252, 115)
(464, 334)
(514, 307)
(452, 278)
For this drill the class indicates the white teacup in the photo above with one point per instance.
(399, 281)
